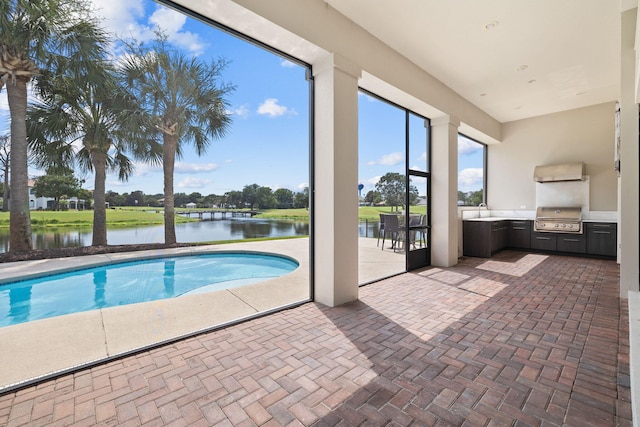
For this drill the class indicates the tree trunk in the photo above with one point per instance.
(99, 207)
(19, 216)
(169, 146)
(5, 190)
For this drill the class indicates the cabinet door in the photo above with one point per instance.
(602, 238)
(543, 241)
(499, 236)
(476, 239)
(576, 244)
(520, 234)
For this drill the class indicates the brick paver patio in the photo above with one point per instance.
(524, 340)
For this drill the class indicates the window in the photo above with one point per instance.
(472, 177)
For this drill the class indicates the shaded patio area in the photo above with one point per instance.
(520, 339)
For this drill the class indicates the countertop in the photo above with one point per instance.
(500, 218)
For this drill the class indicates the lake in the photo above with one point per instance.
(202, 231)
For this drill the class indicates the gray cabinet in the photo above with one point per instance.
(483, 238)
(544, 241)
(520, 234)
(602, 238)
(576, 244)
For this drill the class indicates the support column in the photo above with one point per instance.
(628, 227)
(336, 180)
(444, 191)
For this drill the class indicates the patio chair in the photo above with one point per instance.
(391, 227)
(422, 231)
(414, 221)
(381, 229)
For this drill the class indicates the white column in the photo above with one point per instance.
(336, 180)
(628, 203)
(444, 191)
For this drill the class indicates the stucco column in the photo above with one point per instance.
(444, 191)
(628, 195)
(336, 180)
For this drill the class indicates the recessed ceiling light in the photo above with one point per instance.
(518, 107)
(582, 92)
(483, 94)
(491, 25)
(532, 81)
(521, 67)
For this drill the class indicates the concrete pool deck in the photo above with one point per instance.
(43, 348)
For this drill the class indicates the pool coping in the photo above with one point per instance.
(33, 351)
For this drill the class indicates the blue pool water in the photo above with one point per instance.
(132, 282)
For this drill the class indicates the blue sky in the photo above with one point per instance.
(268, 140)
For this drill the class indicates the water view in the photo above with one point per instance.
(203, 231)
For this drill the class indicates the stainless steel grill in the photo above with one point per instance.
(558, 220)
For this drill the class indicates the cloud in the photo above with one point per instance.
(390, 159)
(4, 101)
(172, 22)
(470, 179)
(241, 111)
(271, 108)
(190, 182)
(466, 146)
(125, 18)
(121, 17)
(302, 186)
(373, 181)
(285, 63)
(180, 168)
(145, 169)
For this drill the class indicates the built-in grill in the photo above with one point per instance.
(558, 220)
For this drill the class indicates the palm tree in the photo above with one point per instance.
(34, 34)
(87, 106)
(182, 101)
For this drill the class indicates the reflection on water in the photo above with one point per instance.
(99, 284)
(203, 231)
(168, 277)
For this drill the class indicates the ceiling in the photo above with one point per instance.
(513, 59)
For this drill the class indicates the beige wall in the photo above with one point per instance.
(584, 134)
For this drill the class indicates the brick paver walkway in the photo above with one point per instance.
(516, 342)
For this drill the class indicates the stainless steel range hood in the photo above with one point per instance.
(560, 172)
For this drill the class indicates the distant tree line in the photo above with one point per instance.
(252, 196)
(470, 198)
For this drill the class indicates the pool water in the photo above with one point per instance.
(132, 282)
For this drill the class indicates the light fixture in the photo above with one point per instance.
(522, 67)
(483, 94)
(532, 81)
(582, 92)
(491, 25)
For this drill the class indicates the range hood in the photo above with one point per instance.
(560, 172)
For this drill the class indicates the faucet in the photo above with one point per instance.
(481, 205)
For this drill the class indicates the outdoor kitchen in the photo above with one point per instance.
(561, 223)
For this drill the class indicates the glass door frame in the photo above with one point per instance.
(417, 258)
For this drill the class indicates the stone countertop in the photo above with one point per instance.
(499, 218)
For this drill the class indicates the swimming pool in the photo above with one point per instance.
(134, 281)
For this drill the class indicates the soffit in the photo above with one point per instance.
(570, 49)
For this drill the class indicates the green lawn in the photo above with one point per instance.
(136, 216)
(115, 218)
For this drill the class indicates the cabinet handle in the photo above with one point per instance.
(571, 240)
(543, 238)
(601, 225)
(601, 232)
(518, 228)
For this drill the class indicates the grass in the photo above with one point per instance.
(142, 215)
(78, 219)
